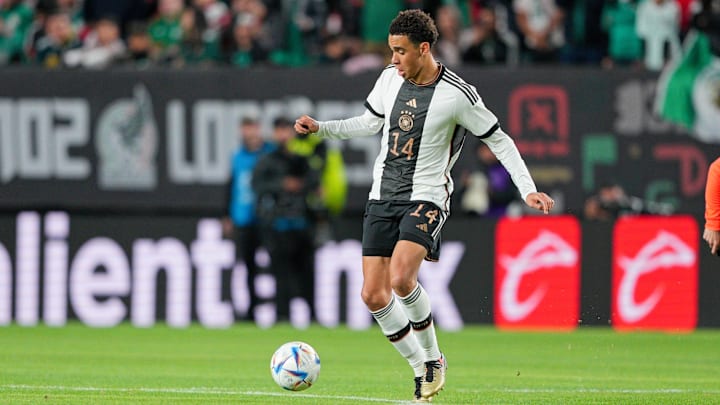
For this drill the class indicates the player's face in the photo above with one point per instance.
(407, 57)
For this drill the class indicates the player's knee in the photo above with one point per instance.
(374, 299)
(403, 283)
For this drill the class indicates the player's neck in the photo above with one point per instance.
(428, 74)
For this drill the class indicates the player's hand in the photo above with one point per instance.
(306, 125)
(540, 201)
(713, 239)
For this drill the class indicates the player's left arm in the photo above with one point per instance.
(507, 153)
(484, 124)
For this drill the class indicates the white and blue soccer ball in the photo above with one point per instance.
(295, 366)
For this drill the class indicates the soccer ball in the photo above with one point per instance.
(295, 366)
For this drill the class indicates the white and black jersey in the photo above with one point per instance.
(423, 131)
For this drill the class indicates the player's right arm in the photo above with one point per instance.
(362, 125)
(367, 124)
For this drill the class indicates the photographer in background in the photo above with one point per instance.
(611, 202)
(284, 183)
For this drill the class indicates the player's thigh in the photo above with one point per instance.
(380, 228)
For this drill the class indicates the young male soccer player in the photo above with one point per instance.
(424, 110)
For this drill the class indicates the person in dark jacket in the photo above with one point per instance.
(283, 182)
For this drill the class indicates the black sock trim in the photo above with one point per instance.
(422, 324)
(400, 334)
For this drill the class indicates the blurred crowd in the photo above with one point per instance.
(350, 33)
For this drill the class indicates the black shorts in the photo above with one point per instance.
(386, 222)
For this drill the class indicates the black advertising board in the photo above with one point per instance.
(160, 141)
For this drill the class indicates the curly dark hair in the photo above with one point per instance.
(417, 25)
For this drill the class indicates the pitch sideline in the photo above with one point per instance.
(197, 390)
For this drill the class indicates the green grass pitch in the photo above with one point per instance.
(126, 365)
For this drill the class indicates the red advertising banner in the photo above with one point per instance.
(537, 273)
(655, 274)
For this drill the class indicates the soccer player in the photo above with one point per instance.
(711, 234)
(424, 111)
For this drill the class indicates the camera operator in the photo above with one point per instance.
(611, 202)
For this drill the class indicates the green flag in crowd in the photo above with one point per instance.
(688, 90)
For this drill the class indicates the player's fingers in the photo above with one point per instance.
(548, 204)
(542, 206)
(301, 128)
(303, 124)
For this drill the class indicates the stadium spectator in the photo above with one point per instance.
(707, 21)
(283, 181)
(688, 9)
(139, 45)
(541, 25)
(488, 40)
(254, 14)
(375, 17)
(711, 234)
(59, 38)
(15, 20)
(199, 44)
(101, 47)
(203, 27)
(301, 32)
(335, 51)
(658, 25)
(255, 9)
(217, 15)
(585, 39)
(624, 44)
(344, 18)
(449, 25)
(166, 32)
(72, 7)
(122, 11)
(241, 221)
(245, 47)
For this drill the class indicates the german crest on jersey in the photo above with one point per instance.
(405, 122)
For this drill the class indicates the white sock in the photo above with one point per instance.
(417, 308)
(396, 327)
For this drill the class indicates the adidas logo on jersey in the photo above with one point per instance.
(412, 103)
(422, 227)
